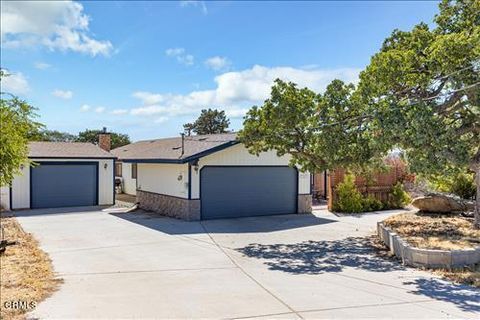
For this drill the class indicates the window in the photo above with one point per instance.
(134, 171)
(118, 169)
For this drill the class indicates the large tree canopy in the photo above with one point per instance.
(423, 91)
(420, 92)
(118, 139)
(422, 88)
(53, 136)
(17, 123)
(320, 131)
(210, 121)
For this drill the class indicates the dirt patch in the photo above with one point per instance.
(435, 231)
(26, 273)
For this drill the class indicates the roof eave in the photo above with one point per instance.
(186, 159)
(71, 157)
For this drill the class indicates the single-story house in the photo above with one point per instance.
(212, 176)
(126, 173)
(63, 174)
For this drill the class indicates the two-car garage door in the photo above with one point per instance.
(65, 184)
(245, 191)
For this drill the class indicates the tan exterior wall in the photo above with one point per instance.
(129, 184)
(163, 178)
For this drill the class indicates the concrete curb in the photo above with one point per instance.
(429, 258)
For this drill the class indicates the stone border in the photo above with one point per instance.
(429, 258)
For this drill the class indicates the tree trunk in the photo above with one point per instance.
(477, 198)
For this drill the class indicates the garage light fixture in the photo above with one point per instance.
(105, 166)
(195, 166)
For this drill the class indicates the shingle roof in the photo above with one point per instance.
(170, 149)
(66, 150)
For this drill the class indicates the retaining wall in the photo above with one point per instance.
(429, 258)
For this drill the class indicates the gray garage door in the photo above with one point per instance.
(228, 192)
(56, 185)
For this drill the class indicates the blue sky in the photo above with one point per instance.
(145, 68)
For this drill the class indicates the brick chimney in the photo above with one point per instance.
(105, 140)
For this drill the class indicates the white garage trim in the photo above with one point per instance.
(21, 192)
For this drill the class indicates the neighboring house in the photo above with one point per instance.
(127, 173)
(64, 174)
(214, 176)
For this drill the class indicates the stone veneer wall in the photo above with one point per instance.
(171, 206)
(189, 210)
(304, 203)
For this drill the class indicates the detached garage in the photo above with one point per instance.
(64, 174)
(214, 176)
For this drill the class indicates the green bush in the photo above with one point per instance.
(348, 199)
(370, 203)
(464, 186)
(461, 184)
(399, 198)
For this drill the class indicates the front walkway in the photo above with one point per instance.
(294, 266)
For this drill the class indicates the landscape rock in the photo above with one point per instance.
(441, 203)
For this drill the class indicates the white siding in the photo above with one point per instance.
(239, 155)
(5, 198)
(304, 182)
(105, 182)
(163, 178)
(21, 183)
(21, 189)
(129, 184)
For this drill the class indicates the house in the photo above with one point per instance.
(126, 174)
(64, 174)
(212, 176)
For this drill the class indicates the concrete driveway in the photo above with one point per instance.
(296, 266)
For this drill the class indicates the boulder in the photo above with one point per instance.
(441, 203)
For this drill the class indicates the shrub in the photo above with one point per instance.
(463, 185)
(348, 199)
(370, 203)
(399, 197)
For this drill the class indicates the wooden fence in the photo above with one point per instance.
(379, 188)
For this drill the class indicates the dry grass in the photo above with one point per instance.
(26, 271)
(435, 231)
(470, 276)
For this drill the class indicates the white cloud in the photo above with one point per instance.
(42, 65)
(181, 56)
(99, 109)
(236, 113)
(119, 111)
(148, 98)
(236, 92)
(172, 52)
(63, 94)
(197, 4)
(57, 25)
(161, 120)
(218, 63)
(14, 83)
(85, 108)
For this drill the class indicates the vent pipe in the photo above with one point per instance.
(183, 144)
